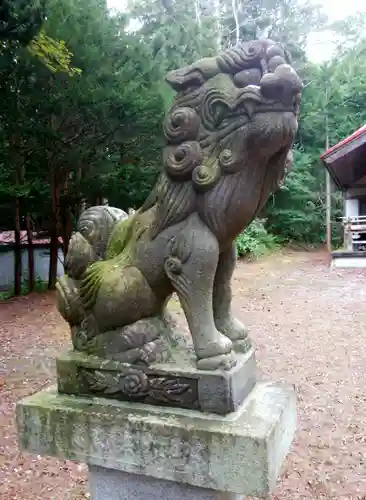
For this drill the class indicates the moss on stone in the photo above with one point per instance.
(119, 254)
(120, 236)
(127, 234)
(149, 440)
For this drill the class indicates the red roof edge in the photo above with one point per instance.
(8, 238)
(345, 141)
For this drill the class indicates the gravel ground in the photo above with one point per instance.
(307, 323)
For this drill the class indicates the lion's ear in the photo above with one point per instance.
(180, 79)
(194, 75)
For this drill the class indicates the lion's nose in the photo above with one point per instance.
(281, 85)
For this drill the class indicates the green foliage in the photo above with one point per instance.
(20, 20)
(296, 212)
(79, 128)
(174, 32)
(82, 103)
(39, 287)
(53, 53)
(21, 26)
(286, 21)
(255, 241)
(349, 31)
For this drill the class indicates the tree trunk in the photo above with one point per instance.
(198, 12)
(18, 175)
(17, 251)
(66, 230)
(79, 200)
(217, 15)
(31, 271)
(234, 7)
(31, 278)
(52, 275)
(66, 226)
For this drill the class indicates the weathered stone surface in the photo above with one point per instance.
(175, 383)
(145, 341)
(239, 453)
(229, 134)
(106, 484)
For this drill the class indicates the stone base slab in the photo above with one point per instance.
(348, 259)
(165, 384)
(107, 484)
(239, 453)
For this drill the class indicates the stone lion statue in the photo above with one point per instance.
(229, 135)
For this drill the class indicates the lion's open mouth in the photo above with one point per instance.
(278, 156)
(280, 107)
(252, 101)
(281, 160)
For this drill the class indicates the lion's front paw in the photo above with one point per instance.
(232, 328)
(223, 362)
(221, 345)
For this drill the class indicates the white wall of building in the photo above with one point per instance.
(351, 207)
(41, 265)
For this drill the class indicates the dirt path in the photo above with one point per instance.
(308, 325)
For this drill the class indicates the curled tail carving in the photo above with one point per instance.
(118, 254)
(96, 225)
(88, 244)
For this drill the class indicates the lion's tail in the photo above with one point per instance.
(89, 243)
(119, 254)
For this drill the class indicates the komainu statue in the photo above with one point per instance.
(229, 134)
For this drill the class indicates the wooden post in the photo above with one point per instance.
(17, 250)
(31, 267)
(328, 198)
(14, 143)
(54, 244)
(328, 211)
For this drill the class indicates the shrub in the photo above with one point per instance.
(255, 240)
(39, 287)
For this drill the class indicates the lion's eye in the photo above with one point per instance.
(219, 111)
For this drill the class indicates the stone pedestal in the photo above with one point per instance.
(177, 383)
(156, 452)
